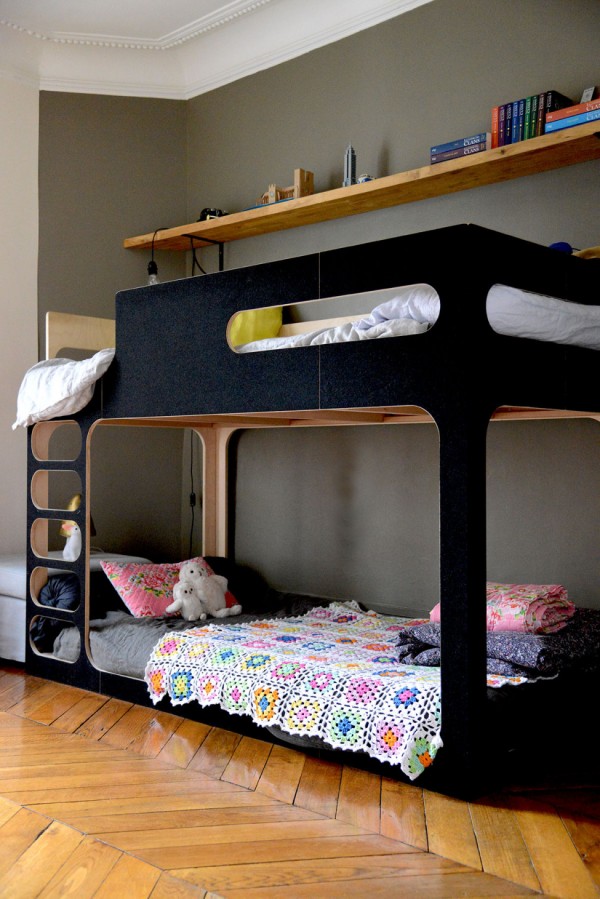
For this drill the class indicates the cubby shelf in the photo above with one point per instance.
(539, 154)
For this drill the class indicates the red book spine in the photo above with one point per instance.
(494, 129)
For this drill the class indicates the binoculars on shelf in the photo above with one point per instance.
(210, 214)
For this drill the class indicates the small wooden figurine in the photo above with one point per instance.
(303, 186)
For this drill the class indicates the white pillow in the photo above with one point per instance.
(57, 387)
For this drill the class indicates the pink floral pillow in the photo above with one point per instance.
(147, 588)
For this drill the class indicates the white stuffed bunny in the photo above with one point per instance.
(192, 571)
(72, 547)
(187, 601)
(212, 590)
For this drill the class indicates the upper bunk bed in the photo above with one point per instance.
(174, 365)
(178, 331)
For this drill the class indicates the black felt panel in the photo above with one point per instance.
(386, 263)
(172, 353)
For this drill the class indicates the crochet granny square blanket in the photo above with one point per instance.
(333, 673)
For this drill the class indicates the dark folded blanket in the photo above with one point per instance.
(514, 654)
(59, 592)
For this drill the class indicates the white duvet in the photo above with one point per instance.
(520, 313)
(415, 308)
(395, 327)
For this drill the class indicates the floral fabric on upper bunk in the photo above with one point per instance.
(332, 674)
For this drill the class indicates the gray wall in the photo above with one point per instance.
(111, 167)
(335, 511)
(427, 76)
(353, 512)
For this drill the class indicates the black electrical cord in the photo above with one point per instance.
(195, 262)
(152, 266)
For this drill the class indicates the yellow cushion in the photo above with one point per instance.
(255, 324)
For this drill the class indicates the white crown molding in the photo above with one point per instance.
(277, 47)
(224, 16)
(207, 54)
(227, 14)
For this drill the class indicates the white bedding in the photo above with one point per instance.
(521, 313)
(415, 309)
(59, 387)
(56, 387)
(351, 331)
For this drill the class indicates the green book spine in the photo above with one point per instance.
(527, 119)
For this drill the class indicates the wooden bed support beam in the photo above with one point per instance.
(299, 418)
(215, 443)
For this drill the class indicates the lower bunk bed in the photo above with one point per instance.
(443, 718)
(333, 677)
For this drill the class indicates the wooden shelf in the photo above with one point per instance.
(539, 154)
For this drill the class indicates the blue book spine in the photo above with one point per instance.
(571, 120)
(501, 125)
(461, 142)
(518, 112)
(508, 128)
(459, 152)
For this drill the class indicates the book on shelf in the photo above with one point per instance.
(554, 100)
(573, 110)
(460, 152)
(541, 114)
(508, 112)
(570, 121)
(501, 125)
(590, 93)
(461, 142)
(525, 117)
(518, 112)
(531, 105)
(495, 126)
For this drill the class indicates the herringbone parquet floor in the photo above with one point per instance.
(99, 797)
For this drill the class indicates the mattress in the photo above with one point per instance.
(121, 644)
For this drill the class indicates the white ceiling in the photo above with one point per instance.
(175, 49)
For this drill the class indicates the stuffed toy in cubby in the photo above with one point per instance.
(212, 591)
(187, 601)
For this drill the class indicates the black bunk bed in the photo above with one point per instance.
(449, 371)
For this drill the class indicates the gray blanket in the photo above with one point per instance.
(121, 644)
